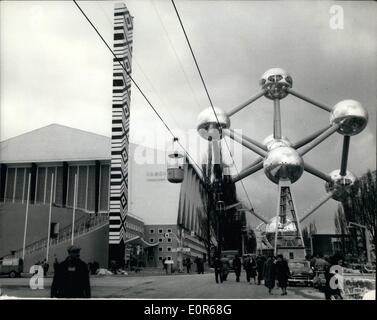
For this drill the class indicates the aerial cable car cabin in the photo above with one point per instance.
(175, 164)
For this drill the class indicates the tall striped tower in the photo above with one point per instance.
(120, 132)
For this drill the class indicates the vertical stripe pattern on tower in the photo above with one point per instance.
(120, 123)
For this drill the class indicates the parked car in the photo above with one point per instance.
(13, 267)
(229, 255)
(301, 273)
(226, 267)
(368, 268)
(319, 281)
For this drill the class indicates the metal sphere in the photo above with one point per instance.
(283, 163)
(276, 81)
(272, 143)
(340, 185)
(208, 126)
(351, 115)
(289, 226)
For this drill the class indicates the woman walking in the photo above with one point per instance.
(282, 273)
(253, 270)
(269, 274)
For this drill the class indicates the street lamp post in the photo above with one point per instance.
(179, 248)
(243, 232)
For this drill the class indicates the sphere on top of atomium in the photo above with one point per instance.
(351, 116)
(276, 81)
(208, 125)
(289, 226)
(283, 163)
(340, 185)
(271, 143)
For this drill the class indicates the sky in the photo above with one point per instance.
(55, 69)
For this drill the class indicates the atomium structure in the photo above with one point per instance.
(283, 161)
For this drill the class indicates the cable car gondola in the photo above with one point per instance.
(175, 164)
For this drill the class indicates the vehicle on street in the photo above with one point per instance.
(13, 267)
(227, 257)
(368, 268)
(300, 273)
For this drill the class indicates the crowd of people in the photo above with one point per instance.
(257, 268)
(324, 265)
(71, 276)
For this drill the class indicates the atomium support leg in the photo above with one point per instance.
(288, 241)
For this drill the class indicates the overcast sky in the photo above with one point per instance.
(55, 69)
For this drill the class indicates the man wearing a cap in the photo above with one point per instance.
(71, 278)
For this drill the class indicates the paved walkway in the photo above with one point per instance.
(191, 286)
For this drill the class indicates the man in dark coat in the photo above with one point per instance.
(188, 264)
(218, 265)
(250, 267)
(269, 274)
(237, 267)
(333, 289)
(197, 262)
(71, 279)
(282, 273)
(260, 264)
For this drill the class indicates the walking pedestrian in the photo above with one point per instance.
(253, 269)
(282, 273)
(197, 262)
(201, 262)
(165, 265)
(45, 267)
(218, 265)
(71, 279)
(56, 263)
(260, 264)
(247, 267)
(237, 267)
(188, 264)
(269, 274)
(333, 287)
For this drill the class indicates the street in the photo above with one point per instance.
(187, 286)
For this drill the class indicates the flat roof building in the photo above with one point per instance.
(64, 152)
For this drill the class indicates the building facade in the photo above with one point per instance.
(56, 153)
(175, 244)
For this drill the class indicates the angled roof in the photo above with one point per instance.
(55, 143)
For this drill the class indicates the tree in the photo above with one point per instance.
(340, 220)
(308, 231)
(360, 205)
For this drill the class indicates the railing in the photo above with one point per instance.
(82, 226)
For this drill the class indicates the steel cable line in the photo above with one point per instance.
(175, 53)
(209, 98)
(137, 86)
